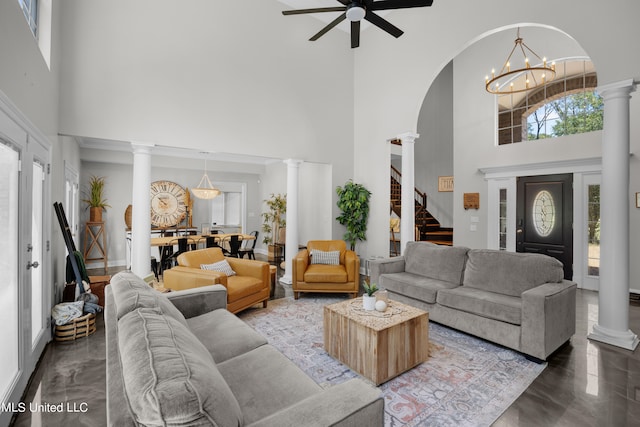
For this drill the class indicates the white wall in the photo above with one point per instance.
(403, 69)
(32, 88)
(434, 148)
(233, 77)
(474, 123)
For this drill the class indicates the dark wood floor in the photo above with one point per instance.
(585, 384)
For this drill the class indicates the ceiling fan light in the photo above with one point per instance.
(355, 13)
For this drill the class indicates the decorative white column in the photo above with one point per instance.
(291, 248)
(408, 208)
(613, 311)
(141, 206)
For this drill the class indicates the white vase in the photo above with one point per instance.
(369, 302)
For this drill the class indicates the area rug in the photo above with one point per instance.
(466, 381)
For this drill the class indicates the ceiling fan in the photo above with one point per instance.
(356, 10)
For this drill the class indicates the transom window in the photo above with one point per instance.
(30, 10)
(567, 105)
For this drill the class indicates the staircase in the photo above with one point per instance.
(429, 227)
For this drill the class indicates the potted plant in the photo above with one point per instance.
(353, 201)
(369, 299)
(273, 220)
(95, 198)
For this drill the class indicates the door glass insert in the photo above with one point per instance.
(593, 229)
(544, 213)
(503, 219)
(9, 202)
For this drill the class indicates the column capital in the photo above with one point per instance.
(141, 147)
(408, 137)
(621, 88)
(293, 162)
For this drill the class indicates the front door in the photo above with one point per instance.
(545, 217)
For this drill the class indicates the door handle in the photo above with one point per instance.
(29, 247)
(32, 265)
(519, 231)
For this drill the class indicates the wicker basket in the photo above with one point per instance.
(80, 327)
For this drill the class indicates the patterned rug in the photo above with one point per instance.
(465, 382)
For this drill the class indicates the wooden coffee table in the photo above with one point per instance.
(378, 346)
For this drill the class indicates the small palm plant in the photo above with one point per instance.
(370, 288)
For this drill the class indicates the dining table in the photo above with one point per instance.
(196, 239)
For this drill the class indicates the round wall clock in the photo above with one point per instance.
(544, 213)
(167, 204)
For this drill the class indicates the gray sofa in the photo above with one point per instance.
(518, 300)
(182, 359)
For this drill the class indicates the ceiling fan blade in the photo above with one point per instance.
(317, 10)
(383, 24)
(398, 4)
(332, 24)
(355, 34)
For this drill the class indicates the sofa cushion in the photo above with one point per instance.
(483, 303)
(322, 273)
(242, 286)
(220, 326)
(264, 382)
(170, 377)
(414, 286)
(131, 292)
(510, 273)
(436, 261)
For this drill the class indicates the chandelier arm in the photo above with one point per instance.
(508, 61)
(531, 50)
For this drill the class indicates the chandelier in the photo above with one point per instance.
(205, 190)
(513, 80)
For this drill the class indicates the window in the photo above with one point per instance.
(593, 227)
(566, 105)
(30, 10)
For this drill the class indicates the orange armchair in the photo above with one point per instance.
(311, 276)
(249, 286)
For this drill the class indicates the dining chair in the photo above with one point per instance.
(233, 241)
(248, 247)
(183, 246)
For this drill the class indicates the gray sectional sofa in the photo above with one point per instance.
(518, 300)
(182, 359)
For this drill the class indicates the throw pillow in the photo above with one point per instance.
(221, 266)
(325, 257)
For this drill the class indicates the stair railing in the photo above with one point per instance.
(419, 196)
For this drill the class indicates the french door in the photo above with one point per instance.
(25, 291)
(9, 265)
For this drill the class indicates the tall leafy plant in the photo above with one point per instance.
(353, 201)
(274, 219)
(95, 194)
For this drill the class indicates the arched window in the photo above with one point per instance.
(566, 105)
